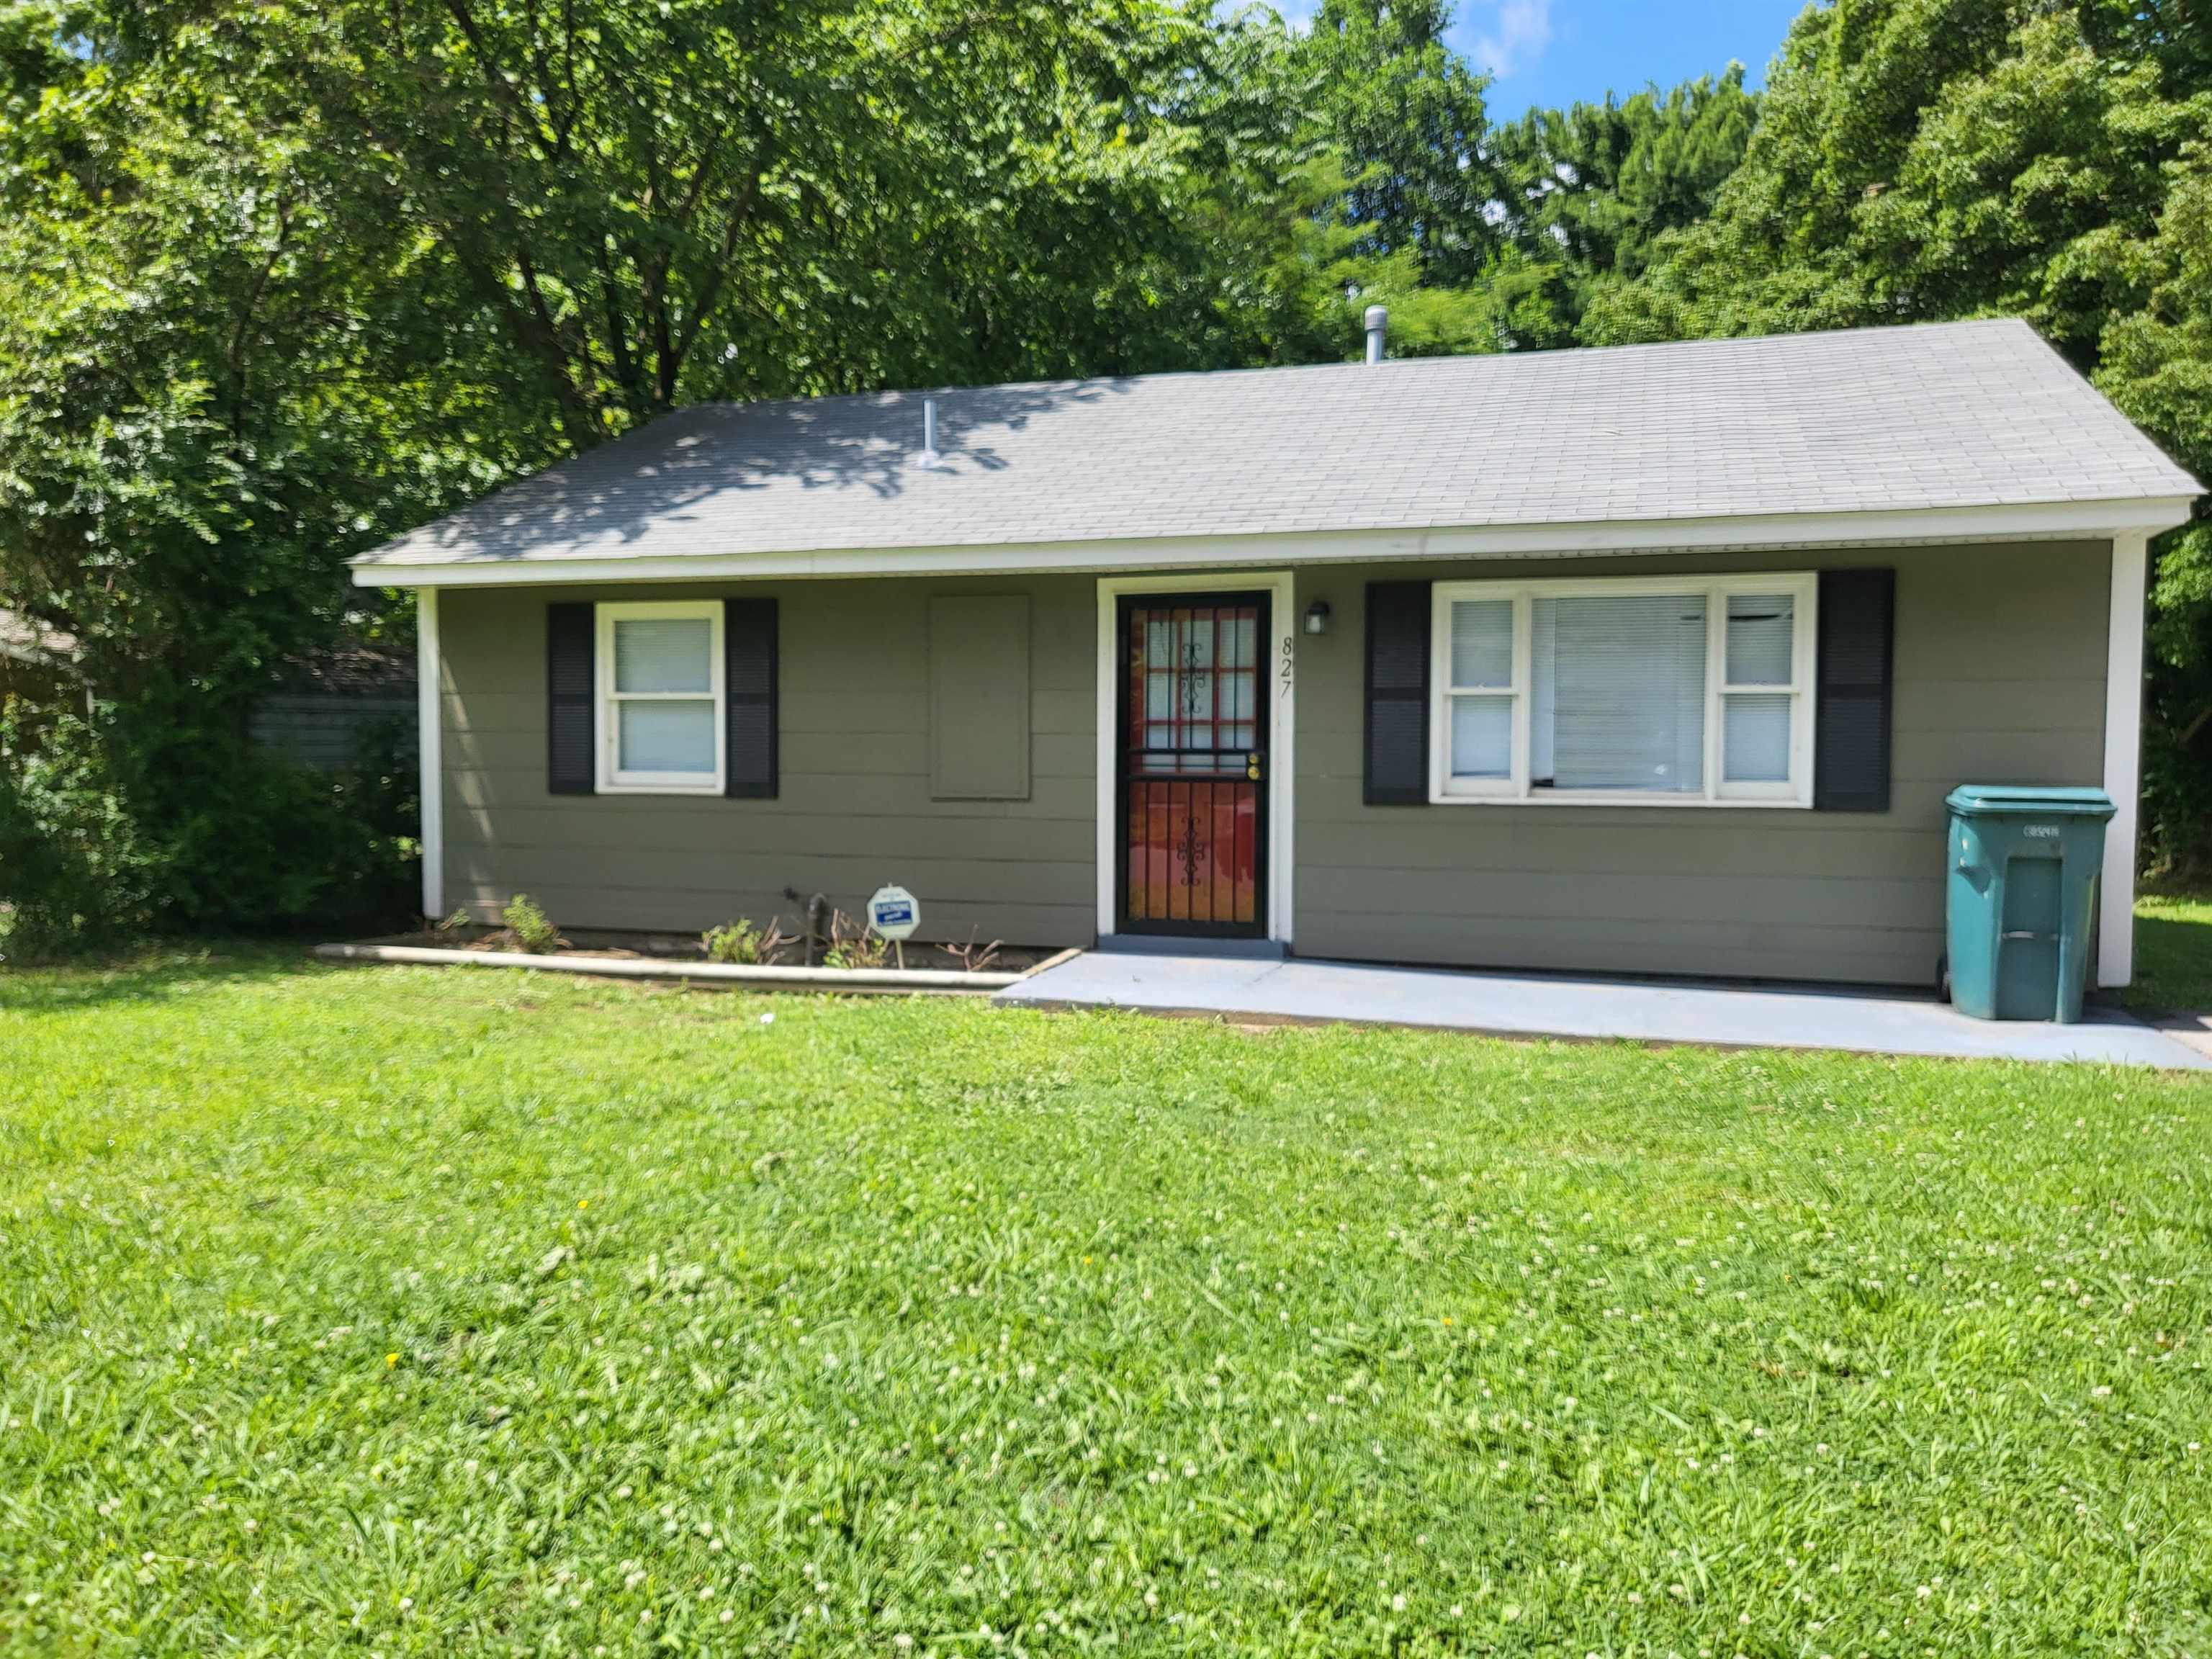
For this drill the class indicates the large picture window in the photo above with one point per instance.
(1664, 690)
(660, 714)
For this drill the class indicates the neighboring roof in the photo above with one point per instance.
(26, 639)
(1936, 416)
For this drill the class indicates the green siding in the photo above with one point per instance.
(979, 696)
(855, 808)
(2000, 675)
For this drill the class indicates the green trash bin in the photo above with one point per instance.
(2022, 885)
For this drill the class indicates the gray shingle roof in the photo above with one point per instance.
(1957, 414)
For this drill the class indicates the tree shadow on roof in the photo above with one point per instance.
(655, 476)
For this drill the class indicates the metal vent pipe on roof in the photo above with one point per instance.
(929, 457)
(1378, 324)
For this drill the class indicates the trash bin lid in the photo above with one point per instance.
(1989, 799)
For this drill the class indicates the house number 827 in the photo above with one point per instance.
(1290, 651)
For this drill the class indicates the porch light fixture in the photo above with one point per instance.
(1317, 616)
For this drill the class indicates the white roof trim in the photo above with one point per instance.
(2034, 521)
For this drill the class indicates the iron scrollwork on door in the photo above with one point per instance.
(1194, 743)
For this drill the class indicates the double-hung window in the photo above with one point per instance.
(1659, 690)
(660, 714)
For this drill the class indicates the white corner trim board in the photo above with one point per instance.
(2123, 696)
(430, 750)
(2030, 521)
(1281, 587)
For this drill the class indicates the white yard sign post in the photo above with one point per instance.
(894, 914)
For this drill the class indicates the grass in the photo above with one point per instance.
(397, 1312)
(2173, 953)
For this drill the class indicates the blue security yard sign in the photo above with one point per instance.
(893, 913)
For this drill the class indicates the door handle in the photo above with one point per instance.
(1252, 767)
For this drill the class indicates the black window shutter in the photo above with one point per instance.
(569, 650)
(749, 687)
(1851, 743)
(1397, 773)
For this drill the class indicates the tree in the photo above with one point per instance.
(1590, 188)
(1404, 115)
(199, 377)
(2157, 367)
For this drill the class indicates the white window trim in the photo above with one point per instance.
(1802, 586)
(612, 780)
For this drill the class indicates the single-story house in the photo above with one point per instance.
(1656, 659)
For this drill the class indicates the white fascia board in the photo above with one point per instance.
(2043, 520)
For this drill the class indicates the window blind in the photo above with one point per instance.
(660, 725)
(1755, 725)
(1616, 693)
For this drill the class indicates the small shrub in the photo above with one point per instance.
(853, 946)
(742, 945)
(528, 928)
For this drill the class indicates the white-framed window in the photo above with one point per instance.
(1658, 691)
(658, 722)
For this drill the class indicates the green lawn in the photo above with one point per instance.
(397, 1312)
(2173, 953)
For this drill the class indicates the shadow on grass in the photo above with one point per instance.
(2173, 953)
(152, 972)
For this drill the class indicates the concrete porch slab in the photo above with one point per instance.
(1556, 1005)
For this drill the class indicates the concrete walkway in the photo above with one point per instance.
(1533, 1005)
(2195, 1029)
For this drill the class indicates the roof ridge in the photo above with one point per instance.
(1545, 354)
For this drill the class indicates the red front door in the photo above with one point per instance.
(1193, 765)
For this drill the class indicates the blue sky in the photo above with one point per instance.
(1555, 52)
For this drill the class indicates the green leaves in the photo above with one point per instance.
(658, 205)
(1590, 190)
(1405, 114)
